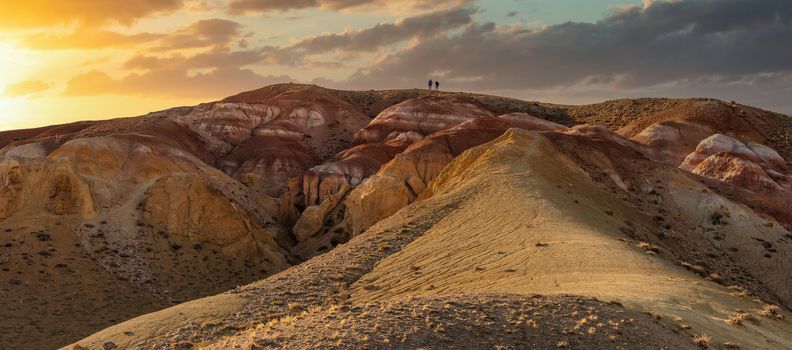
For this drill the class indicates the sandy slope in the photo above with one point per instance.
(514, 217)
(520, 233)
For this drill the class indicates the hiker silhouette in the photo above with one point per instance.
(430, 84)
(437, 85)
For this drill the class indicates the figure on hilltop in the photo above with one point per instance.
(437, 85)
(430, 84)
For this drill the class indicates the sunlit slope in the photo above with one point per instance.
(532, 221)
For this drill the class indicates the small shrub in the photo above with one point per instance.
(738, 291)
(738, 318)
(647, 247)
(702, 341)
(772, 311)
(718, 219)
(292, 307)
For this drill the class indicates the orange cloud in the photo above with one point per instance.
(203, 33)
(87, 38)
(27, 87)
(243, 6)
(200, 34)
(45, 13)
(172, 83)
(91, 83)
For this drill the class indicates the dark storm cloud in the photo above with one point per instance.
(637, 46)
(423, 26)
(354, 43)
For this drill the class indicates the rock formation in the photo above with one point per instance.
(32, 187)
(184, 204)
(751, 166)
(403, 179)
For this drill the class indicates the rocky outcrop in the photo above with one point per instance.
(420, 116)
(30, 150)
(714, 115)
(120, 166)
(402, 180)
(350, 166)
(11, 181)
(387, 135)
(34, 187)
(274, 133)
(671, 134)
(670, 142)
(313, 218)
(184, 204)
(378, 198)
(739, 171)
(265, 163)
(121, 175)
(750, 165)
(720, 143)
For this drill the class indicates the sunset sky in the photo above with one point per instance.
(64, 61)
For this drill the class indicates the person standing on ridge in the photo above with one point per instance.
(437, 85)
(430, 84)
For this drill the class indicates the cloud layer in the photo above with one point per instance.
(258, 6)
(719, 48)
(635, 47)
(42, 13)
(24, 88)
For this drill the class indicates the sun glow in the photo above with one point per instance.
(14, 63)
(10, 109)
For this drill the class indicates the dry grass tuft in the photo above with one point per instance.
(648, 247)
(739, 317)
(739, 291)
(702, 341)
(292, 307)
(772, 311)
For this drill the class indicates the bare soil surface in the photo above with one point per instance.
(469, 321)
